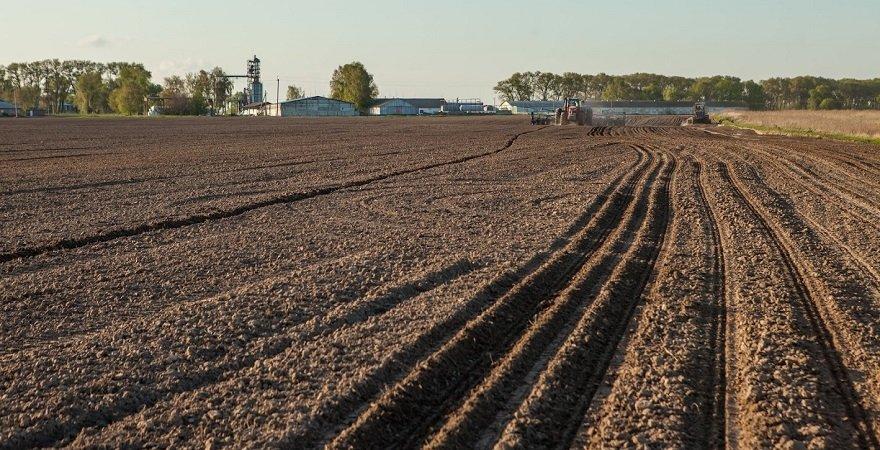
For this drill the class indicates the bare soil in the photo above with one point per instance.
(435, 282)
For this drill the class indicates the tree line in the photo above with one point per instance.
(119, 87)
(127, 88)
(95, 87)
(775, 93)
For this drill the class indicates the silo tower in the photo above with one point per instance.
(255, 87)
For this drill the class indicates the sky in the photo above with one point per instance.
(452, 48)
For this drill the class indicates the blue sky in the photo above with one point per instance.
(454, 48)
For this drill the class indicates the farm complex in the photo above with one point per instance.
(451, 282)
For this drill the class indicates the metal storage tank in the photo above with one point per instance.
(471, 108)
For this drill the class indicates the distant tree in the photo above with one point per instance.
(174, 91)
(199, 83)
(557, 87)
(352, 83)
(598, 84)
(569, 84)
(198, 104)
(618, 90)
(91, 94)
(726, 89)
(671, 93)
(294, 92)
(821, 97)
(200, 87)
(701, 89)
(25, 81)
(520, 86)
(754, 95)
(132, 85)
(221, 87)
(543, 84)
(829, 103)
(236, 100)
(652, 91)
(505, 90)
(5, 85)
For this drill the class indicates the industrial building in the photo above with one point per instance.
(303, 107)
(405, 106)
(7, 109)
(634, 107)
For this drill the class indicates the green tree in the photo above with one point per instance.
(701, 89)
(819, 96)
(753, 94)
(221, 87)
(671, 93)
(91, 94)
(5, 84)
(505, 90)
(570, 84)
(294, 92)
(544, 84)
(829, 103)
(132, 85)
(618, 89)
(174, 92)
(726, 89)
(352, 83)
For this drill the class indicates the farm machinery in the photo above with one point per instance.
(572, 112)
(700, 115)
(541, 118)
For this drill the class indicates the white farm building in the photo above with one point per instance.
(316, 106)
(405, 106)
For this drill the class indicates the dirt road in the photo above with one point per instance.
(441, 283)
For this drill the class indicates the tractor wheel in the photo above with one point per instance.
(581, 118)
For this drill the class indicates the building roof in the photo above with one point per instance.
(6, 105)
(415, 102)
(316, 97)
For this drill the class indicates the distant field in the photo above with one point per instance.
(865, 124)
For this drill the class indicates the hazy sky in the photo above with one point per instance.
(453, 48)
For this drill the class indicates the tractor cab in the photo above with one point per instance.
(572, 112)
(700, 114)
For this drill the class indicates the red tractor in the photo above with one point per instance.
(572, 112)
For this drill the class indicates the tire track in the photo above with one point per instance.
(341, 412)
(266, 346)
(719, 422)
(564, 391)
(859, 260)
(419, 400)
(827, 190)
(169, 224)
(483, 411)
(108, 183)
(839, 372)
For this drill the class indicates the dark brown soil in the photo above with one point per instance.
(435, 282)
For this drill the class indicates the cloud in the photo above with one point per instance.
(94, 41)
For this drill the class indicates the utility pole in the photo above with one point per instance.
(15, 100)
(278, 97)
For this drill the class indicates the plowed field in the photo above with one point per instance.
(443, 283)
